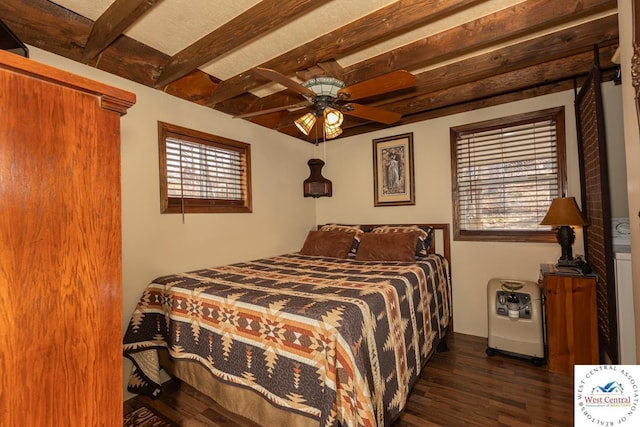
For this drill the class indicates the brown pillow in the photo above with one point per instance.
(334, 244)
(424, 232)
(387, 247)
(347, 229)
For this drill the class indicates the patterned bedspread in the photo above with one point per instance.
(338, 340)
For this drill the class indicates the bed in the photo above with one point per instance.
(333, 335)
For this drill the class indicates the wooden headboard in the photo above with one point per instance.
(441, 243)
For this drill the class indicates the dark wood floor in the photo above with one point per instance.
(460, 387)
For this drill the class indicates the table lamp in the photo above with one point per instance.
(564, 213)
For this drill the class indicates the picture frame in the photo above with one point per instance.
(393, 175)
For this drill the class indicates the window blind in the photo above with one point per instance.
(507, 177)
(201, 171)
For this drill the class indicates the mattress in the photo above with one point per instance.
(334, 341)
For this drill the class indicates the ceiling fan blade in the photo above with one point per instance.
(273, 110)
(378, 85)
(372, 113)
(277, 77)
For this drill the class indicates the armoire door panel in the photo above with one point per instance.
(60, 253)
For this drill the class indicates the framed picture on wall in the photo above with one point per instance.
(393, 180)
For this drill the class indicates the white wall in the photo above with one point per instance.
(632, 149)
(154, 244)
(612, 105)
(350, 167)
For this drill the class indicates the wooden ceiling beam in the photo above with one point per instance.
(247, 26)
(112, 23)
(382, 24)
(284, 97)
(196, 87)
(489, 101)
(559, 75)
(563, 69)
(327, 68)
(483, 32)
(332, 68)
(516, 81)
(516, 21)
(48, 26)
(462, 107)
(578, 39)
(58, 30)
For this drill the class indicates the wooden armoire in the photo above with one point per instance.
(60, 247)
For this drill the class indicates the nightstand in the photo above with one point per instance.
(571, 319)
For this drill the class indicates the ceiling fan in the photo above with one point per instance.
(329, 98)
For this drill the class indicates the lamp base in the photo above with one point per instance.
(568, 263)
(578, 264)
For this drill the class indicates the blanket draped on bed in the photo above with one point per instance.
(341, 341)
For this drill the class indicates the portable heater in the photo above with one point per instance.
(515, 319)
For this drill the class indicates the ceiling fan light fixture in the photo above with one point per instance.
(332, 131)
(306, 122)
(324, 86)
(326, 96)
(333, 117)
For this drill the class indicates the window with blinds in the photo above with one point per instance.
(506, 172)
(200, 172)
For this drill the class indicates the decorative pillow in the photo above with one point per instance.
(355, 229)
(387, 247)
(424, 233)
(334, 244)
